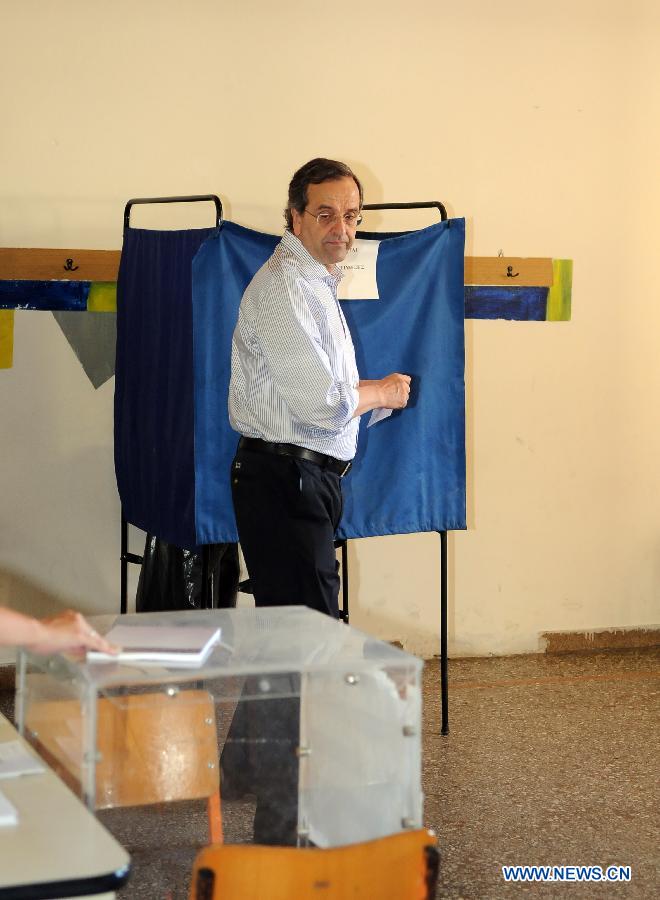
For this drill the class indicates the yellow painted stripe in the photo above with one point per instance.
(6, 338)
(559, 295)
(102, 296)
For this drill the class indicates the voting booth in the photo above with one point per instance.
(178, 296)
(290, 696)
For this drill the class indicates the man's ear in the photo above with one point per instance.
(297, 222)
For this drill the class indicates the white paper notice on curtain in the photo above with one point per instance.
(359, 268)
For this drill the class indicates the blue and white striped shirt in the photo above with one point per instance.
(293, 373)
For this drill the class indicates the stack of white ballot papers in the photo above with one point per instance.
(182, 646)
(8, 814)
(16, 760)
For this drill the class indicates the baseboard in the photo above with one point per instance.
(602, 639)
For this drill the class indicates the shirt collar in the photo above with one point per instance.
(309, 266)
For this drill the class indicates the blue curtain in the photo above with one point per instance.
(154, 429)
(409, 474)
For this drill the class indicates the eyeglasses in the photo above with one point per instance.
(327, 218)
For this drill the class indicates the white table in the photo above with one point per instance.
(58, 849)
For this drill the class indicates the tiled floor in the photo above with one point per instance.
(550, 760)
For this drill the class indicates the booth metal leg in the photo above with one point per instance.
(444, 671)
(206, 600)
(123, 566)
(125, 558)
(344, 581)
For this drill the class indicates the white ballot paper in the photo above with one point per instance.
(359, 271)
(16, 760)
(378, 415)
(8, 814)
(173, 646)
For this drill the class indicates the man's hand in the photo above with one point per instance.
(391, 392)
(395, 391)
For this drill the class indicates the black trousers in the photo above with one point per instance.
(287, 511)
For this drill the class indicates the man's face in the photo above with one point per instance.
(329, 243)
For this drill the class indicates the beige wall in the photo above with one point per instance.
(537, 122)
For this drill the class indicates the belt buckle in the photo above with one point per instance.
(346, 469)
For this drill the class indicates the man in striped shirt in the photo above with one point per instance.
(296, 397)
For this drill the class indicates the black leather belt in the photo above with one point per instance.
(338, 466)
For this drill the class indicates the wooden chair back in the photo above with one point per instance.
(400, 867)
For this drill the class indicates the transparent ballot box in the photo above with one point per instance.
(314, 723)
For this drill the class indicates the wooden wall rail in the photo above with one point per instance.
(508, 271)
(33, 264)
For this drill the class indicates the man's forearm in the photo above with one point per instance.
(390, 392)
(369, 397)
(15, 628)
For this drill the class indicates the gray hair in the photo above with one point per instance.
(315, 171)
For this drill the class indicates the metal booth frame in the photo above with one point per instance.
(127, 557)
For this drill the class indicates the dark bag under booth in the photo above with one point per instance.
(171, 577)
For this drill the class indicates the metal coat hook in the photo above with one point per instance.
(69, 267)
(510, 273)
